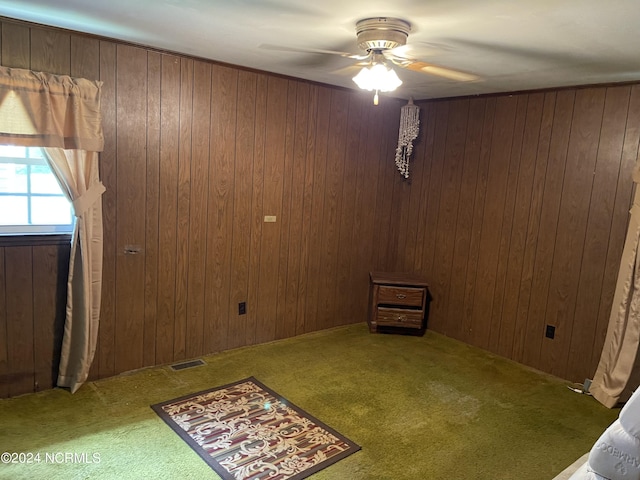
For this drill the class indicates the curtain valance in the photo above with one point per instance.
(45, 110)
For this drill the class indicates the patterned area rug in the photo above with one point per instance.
(245, 430)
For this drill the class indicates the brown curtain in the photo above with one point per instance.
(77, 173)
(62, 115)
(617, 372)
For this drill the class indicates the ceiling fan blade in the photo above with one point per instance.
(281, 48)
(532, 53)
(420, 49)
(350, 70)
(439, 71)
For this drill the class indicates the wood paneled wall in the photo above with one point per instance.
(516, 213)
(196, 155)
(33, 287)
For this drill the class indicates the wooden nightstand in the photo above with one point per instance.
(397, 302)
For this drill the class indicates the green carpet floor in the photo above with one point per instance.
(420, 407)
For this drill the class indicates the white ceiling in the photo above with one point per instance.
(510, 45)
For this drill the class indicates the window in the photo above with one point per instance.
(31, 201)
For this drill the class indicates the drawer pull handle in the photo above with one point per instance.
(401, 296)
(401, 318)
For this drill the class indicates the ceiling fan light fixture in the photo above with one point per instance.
(377, 77)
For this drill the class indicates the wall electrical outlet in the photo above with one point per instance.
(242, 308)
(269, 219)
(550, 332)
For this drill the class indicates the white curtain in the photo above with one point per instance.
(617, 369)
(77, 173)
(62, 115)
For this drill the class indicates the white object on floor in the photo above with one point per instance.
(616, 454)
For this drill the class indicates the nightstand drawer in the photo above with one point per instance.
(403, 296)
(398, 303)
(395, 317)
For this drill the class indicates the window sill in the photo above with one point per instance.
(34, 240)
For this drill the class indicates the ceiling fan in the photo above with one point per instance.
(382, 38)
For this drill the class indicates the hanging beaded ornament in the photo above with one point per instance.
(409, 127)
